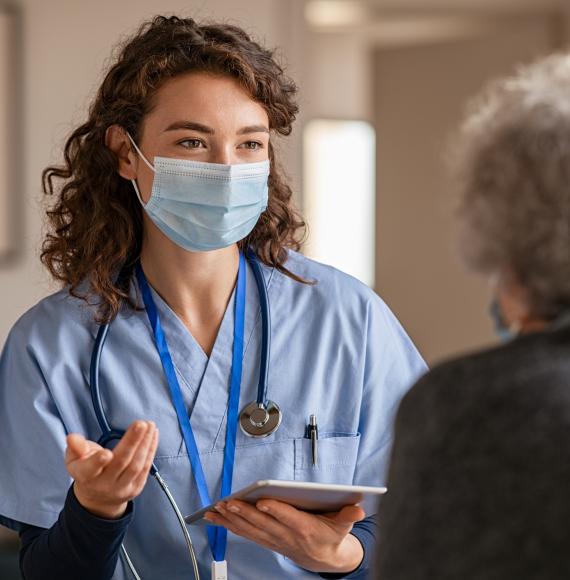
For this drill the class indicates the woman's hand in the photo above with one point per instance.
(319, 543)
(105, 480)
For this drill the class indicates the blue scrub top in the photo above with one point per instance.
(337, 352)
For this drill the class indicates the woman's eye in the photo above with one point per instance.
(253, 145)
(191, 143)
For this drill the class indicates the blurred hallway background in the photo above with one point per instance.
(383, 85)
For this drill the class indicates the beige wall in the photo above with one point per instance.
(66, 45)
(420, 95)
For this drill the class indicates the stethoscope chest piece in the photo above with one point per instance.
(260, 420)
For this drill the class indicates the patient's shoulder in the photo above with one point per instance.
(523, 376)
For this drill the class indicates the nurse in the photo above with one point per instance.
(169, 183)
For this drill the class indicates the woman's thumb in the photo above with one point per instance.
(77, 446)
(350, 514)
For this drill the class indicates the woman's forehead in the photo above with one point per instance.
(215, 101)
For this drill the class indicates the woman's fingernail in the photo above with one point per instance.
(220, 507)
(263, 508)
(234, 508)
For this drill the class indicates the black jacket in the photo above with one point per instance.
(479, 487)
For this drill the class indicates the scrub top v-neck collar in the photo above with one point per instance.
(205, 381)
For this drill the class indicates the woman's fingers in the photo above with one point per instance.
(138, 458)
(151, 452)
(312, 541)
(294, 518)
(89, 467)
(348, 515)
(78, 446)
(242, 510)
(128, 447)
(140, 480)
(286, 514)
(105, 480)
(238, 524)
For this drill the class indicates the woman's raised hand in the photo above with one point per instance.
(104, 480)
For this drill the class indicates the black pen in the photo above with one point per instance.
(313, 434)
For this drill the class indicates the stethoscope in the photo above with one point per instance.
(260, 418)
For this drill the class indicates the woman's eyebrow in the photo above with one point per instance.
(253, 129)
(191, 125)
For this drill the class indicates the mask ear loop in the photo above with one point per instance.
(515, 328)
(150, 166)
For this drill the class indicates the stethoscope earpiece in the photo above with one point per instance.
(260, 420)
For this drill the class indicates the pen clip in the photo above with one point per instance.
(313, 435)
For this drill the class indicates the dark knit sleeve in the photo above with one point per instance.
(78, 545)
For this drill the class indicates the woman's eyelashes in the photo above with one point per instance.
(252, 145)
(200, 144)
(192, 143)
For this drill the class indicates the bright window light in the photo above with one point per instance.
(339, 195)
(331, 13)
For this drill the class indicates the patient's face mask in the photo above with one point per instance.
(503, 331)
(205, 206)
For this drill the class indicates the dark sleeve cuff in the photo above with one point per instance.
(73, 509)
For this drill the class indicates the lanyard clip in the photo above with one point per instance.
(220, 570)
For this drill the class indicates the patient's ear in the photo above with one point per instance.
(118, 142)
(516, 307)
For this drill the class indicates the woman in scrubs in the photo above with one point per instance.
(185, 105)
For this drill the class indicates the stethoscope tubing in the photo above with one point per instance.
(109, 434)
(94, 378)
(266, 328)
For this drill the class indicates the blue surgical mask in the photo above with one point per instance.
(503, 331)
(205, 206)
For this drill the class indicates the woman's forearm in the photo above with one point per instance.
(78, 545)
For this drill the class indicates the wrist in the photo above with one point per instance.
(107, 511)
(348, 557)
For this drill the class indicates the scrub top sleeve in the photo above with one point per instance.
(33, 478)
(392, 365)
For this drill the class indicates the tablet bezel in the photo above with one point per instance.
(305, 495)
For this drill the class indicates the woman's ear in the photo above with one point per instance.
(117, 141)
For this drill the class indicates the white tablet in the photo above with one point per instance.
(310, 497)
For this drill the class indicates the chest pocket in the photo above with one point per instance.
(336, 458)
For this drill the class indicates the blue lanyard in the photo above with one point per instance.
(217, 536)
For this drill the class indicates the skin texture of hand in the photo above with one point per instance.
(318, 543)
(104, 480)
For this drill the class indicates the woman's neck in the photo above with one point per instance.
(196, 285)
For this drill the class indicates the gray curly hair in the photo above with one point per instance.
(512, 163)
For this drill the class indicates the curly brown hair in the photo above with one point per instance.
(95, 224)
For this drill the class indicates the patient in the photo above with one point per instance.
(479, 486)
